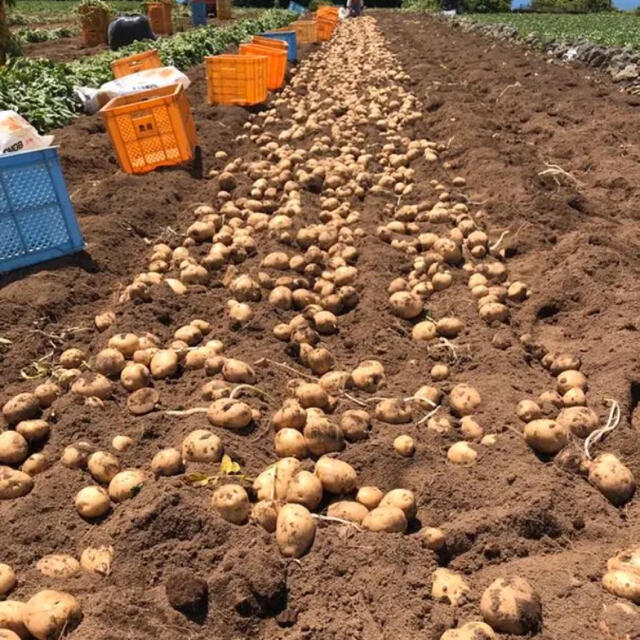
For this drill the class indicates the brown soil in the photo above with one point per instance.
(575, 244)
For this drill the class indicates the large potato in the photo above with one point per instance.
(127, 484)
(336, 476)
(11, 618)
(202, 446)
(93, 385)
(370, 497)
(295, 530)
(510, 605)
(33, 430)
(387, 519)
(109, 362)
(290, 416)
(167, 462)
(164, 364)
(92, 502)
(612, 478)
(290, 443)
(393, 411)
(571, 379)
(14, 449)
(103, 466)
(49, 614)
(311, 394)
(229, 414)
(58, 565)
(403, 499)
(273, 482)
(323, 436)
(449, 586)
(581, 421)
(355, 424)
(368, 376)
(306, 489)
(14, 484)
(406, 305)
(348, 510)
(24, 406)
(135, 376)
(126, 343)
(232, 503)
(546, 436)
(238, 371)
(464, 400)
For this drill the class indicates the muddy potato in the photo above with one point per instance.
(461, 453)
(14, 449)
(215, 390)
(103, 466)
(348, 510)
(336, 476)
(127, 484)
(189, 334)
(58, 565)
(47, 392)
(551, 398)
(273, 482)
(470, 631)
(325, 323)
(335, 382)
(33, 430)
(494, 312)
(571, 379)
(406, 305)
(7, 579)
(581, 421)
(323, 436)
(424, 331)
(92, 502)
(265, 513)
(290, 416)
(295, 530)
(167, 462)
(75, 456)
(546, 436)
(355, 424)
(93, 385)
(72, 358)
(143, 401)
(24, 406)
(404, 445)
(164, 364)
(311, 394)
(135, 376)
(510, 605)
(368, 376)
(232, 503)
(290, 443)
(202, 446)
(449, 586)
(50, 614)
(433, 538)
(230, 414)
(574, 398)
(528, 410)
(470, 428)
(97, 560)
(388, 519)
(623, 584)
(104, 320)
(321, 361)
(369, 496)
(11, 618)
(403, 499)
(393, 411)
(439, 372)
(306, 489)
(109, 362)
(464, 400)
(427, 397)
(121, 443)
(564, 362)
(612, 478)
(449, 327)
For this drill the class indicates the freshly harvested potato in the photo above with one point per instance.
(427, 397)
(143, 401)
(424, 331)
(581, 421)
(336, 476)
(355, 424)
(127, 484)
(570, 379)
(103, 466)
(368, 376)
(14, 484)
(49, 614)
(462, 453)
(321, 361)
(93, 385)
(135, 376)
(449, 586)
(404, 445)
(348, 510)
(35, 464)
(72, 358)
(92, 502)
(406, 305)
(97, 560)
(311, 394)
(33, 430)
(464, 400)
(470, 428)
(265, 513)
(58, 565)
(290, 416)
(24, 406)
(273, 482)
(385, 519)
(510, 605)
(7, 579)
(109, 362)
(546, 436)
(232, 503)
(433, 538)
(121, 443)
(551, 398)
(439, 372)
(403, 499)
(494, 312)
(238, 371)
(230, 414)
(306, 489)
(613, 479)
(164, 364)
(528, 410)
(624, 584)
(290, 443)
(625, 560)
(202, 446)
(470, 631)
(449, 327)
(167, 462)
(11, 618)
(295, 530)
(126, 343)
(370, 497)
(564, 362)
(47, 392)
(393, 411)
(574, 398)
(323, 436)
(14, 449)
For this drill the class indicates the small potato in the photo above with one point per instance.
(393, 411)
(322, 436)
(189, 334)
(167, 462)
(528, 410)
(433, 538)
(510, 605)
(450, 587)
(449, 327)
(403, 499)
(613, 479)
(550, 397)
(202, 446)
(14, 449)
(427, 397)
(424, 331)
(623, 584)
(494, 312)
(404, 445)
(581, 421)
(355, 424)
(265, 513)
(439, 372)
(370, 497)
(127, 484)
(47, 393)
(470, 631)
(143, 401)
(546, 436)
(325, 322)
(93, 385)
(58, 565)
(441, 425)
(229, 414)
(121, 443)
(109, 362)
(348, 510)
(104, 320)
(385, 519)
(92, 502)
(49, 614)
(290, 443)
(321, 361)
(7, 579)
(103, 466)
(470, 428)
(306, 489)
(273, 482)
(311, 394)
(72, 358)
(368, 376)
(33, 430)
(564, 362)
(135, 376)
(35, 464)
(464, 400)
(295, 530)
(164, 364)
(571, 379)
(126, 343)
(336, 476)
(11, 618)
(574, 398)
(24, 406)
(335, 382)
(232, 503)
(14, 484)
(97, 560)
(406, 305)
(238, 371)
(290, 416)
(461, 453)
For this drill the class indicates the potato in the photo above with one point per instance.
(370, 497)
(581, 421)
(528, 410)
(564, 362)
(97, 560)
(546, 436)
(49, 614)
(510, 605)
(325, 322)
(121, 443)
(550, 397)
(623, 584)
(393, 411)
(433, 538)
(470, 631)
(238, 371)
(387, 519)
(265, 513)
(93, 385)
(14, 449)
(164, 364)
(348, 510)
(321, 361)
(574, 398)
(427, 397)
(464, 400)
(126, 343)
(404, 445)
(625, 560)
(232, 503)
(189, 334)
(109, 362)
(33, 430)
(461, 453)
(311, 394)
(127, 484)
(273, 482)
(7, 579)
(143, 401)
(613, 479)
(202, 446)
(11, 618)
(424, 331)
(135, 376)
(92, 502)
(103, 466)
(230, 414)
(406, 305)
(355, 424)
(290, 416)
(306, 489)
(323, 436)
(450, 587)
(47, 392)
(494, 312)
(336, 476)
(58, 565)
(290, 443)
(439, 372)
(295, 530)
(403, 499)
(470, 428)
(72, 358)
(167, 462)
(24, 406)
(14, 484)
(368, 376)
(335, 382)
(570, 379)
(449, 327)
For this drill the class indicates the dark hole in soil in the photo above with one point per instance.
(634, 392)
(548, 309)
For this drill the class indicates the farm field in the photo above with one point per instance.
(421, 230)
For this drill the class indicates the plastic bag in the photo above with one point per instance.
(16, 134)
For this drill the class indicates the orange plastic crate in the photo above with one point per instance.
(136, 62)
(325, 28)
(306, 31)
(331, 13)
(159, 14)
(281, 45)
(236, 80)
(276, 63)
(151, 128)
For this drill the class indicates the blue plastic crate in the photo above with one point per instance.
(298, 8)
(198, 13)
(289, 37)
(37, 221)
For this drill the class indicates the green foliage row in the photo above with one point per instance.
(43, 91)
(466, 6)
(43, 35)
(570, 6)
